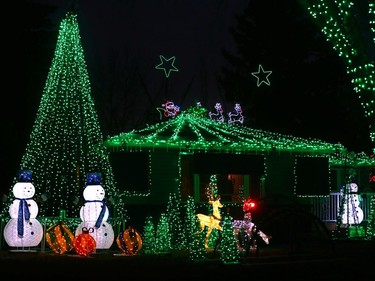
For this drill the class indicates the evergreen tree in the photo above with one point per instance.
(214, 238)
(346, 25)
(197, 249)
(163, 235)
(190, 221)
(149, 237)
(66, 142)
(174, 206)
(229, 252)
(212, 189)
(212, 192)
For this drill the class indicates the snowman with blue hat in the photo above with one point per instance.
(94, 213)
(23, 229)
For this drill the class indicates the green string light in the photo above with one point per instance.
(337, 20)
(66, 142)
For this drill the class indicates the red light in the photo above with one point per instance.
(372, 175)
(248, 205)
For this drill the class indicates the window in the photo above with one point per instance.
(312, 176)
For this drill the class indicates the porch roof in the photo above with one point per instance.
(193, 131)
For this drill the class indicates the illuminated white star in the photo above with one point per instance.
(167, 65)
(262, 76)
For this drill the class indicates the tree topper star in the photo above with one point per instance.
(167, 65)
(262, 76)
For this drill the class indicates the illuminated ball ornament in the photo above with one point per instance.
(129, 241)
(23, 229)
(84, 244)
(59, 238)
(94, 213)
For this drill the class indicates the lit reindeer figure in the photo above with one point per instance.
(218, 116)
(236, 116)
(212, 221)
(247, 228)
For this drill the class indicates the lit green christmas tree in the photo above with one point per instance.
(66, 142)
(212, 192)
(197, 249)
(190, 221)
(229, 252)
(163, 235)
(149, 237)
(212, 189)
(174, 216)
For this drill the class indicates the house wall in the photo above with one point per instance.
(364, 182)
(278, 182)
(164, 180)
(165, 175)
(278, 178)
(360, 175)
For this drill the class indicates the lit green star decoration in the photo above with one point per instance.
(167, 65)
(262, 76)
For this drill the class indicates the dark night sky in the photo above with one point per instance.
(139, 31)
(135, 33)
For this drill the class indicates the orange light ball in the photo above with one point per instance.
(84, 244)
(129, 241)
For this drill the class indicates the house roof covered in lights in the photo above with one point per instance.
(192, 130)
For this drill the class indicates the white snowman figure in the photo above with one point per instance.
(94, 213)
(23, 229)
(351, 212)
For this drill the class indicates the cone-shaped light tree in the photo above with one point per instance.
(149, 236)
(66, 140)
(229, 251)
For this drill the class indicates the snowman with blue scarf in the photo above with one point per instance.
(95, 213)
(23, 229)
